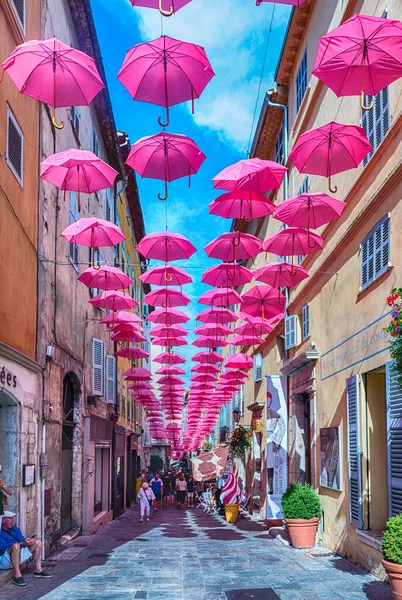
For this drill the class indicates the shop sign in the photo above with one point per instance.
(7, 378)
(277, 444)
(362, 345)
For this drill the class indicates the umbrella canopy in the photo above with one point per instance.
(281, 274)
(167, 358)
(168, 316)
(105, 278)
(166, 298)
(166, 246)
(252, 174)
(132, 335)
(166, 72)
(169, 342)
(220, 297)
(54, 73)
(233, 246)
(227, 275)
(113, 300)
(246, 340)
(241, 204)
(138, 374)
(239, 361)
(166, 275)
(361, 56)
(121, 316)
(171, 370)
(309, 210)
(206, 342)
(205, 368)
(165, 7)
(263, 301)
(291, 2)
(255, 327)
(330, 149)
(217, 315)
(212, 329)
(165, 156)
(132, 326)
(93, 233)
(293, 241)
(207, 357)
(203, 377)
(170, 379)
(132, 352)
(173, 331)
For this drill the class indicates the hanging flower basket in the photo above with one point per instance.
(395, 330)
(239, 442)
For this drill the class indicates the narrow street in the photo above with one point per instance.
(189, 555)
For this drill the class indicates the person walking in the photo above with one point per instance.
(145, 499)
(190, 489)
(166, 489)
(157, 488)
(181, 491)
(172, 487)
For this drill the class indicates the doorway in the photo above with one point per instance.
(9, 446)
(67, 453)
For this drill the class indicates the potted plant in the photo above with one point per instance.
(302, 511)
(392, 551)
(240, 441)
(395, 330)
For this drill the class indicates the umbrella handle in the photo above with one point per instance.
(166, 193)
(335, 189)
(61, 126)
(167, 118)
(235, 243)
(165, 13)
(364, 107)
(313, 245)
(166, 276)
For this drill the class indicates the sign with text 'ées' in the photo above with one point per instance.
(277, 444)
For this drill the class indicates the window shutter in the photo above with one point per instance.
(306, 321)
(95, 142)
(375, 252)
(301, 80)
(110, 379)
(258, 367)
(15, 147)
(290, 332)
(376, 121)
(394, 437)
(354, 452)
(73, 215)
(97, 367)
(19, 9)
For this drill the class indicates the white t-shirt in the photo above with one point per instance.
(182, 485)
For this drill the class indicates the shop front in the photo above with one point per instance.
(133, 466)
(119, 473)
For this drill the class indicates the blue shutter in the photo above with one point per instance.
(290, 332)
(110, 379)
(301, 80)
(98, 367)
(306, 321)
(73, 216)
(376, 121)
(354, 452)
(375, 252)
(394, 441)
(258, 367)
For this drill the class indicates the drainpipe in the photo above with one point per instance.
(285, 135)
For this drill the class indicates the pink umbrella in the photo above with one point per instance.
(132, 335)
(234, 375)
(263, 301)
(173, 330)
(293, 241)
(165, 156)
(171, 379)
(309, 210)
(257, 328)
(361, 56)
(165, 72)
(241, 204)
(138, 374)
(113, 300)
(54, 73)
(168, 316)
(233, 246)
(207, 342)
(207, 357)
(169, 342)
(281, 274)
(166, 298)
(126, 327)
(166, 246)
(330, 149)
(205, 368)
(203, 377)
(217, 315)
(105, 278)
(93, 232)
(220, 297)
(172, 370)
(132, 352)
(166, 7)
(252, 174)
(227, 275)
(168, 358)
(246, 340)
(291, 2)
(212, 329)
(121, 316)
(239, 361)
(166, 275)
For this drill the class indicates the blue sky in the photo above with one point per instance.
(234, 35)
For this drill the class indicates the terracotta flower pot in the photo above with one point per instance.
(394, 573)
(302, 532)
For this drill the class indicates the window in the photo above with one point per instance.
(19, 9)
(117, 255)
(95, 143)
(123, 257)
(279, 155)
(97, 367)
(306, 321)
(241, 399)
(110, 379)
(304, 188)
(290, 332)
(118, 395)
(75, 118)
(258, 367)
(354, 462)
(375, 253)
(376, 121)
(394, 437)
(15, 147)
(73, 215)
(301, 80)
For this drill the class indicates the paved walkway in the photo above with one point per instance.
(187, 555)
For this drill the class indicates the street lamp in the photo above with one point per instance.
(236, 415)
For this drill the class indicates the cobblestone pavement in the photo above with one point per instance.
(187, 555)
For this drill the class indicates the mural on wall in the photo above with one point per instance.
(277, 444)
(330, 458)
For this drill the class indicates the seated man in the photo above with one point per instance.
(16, 549)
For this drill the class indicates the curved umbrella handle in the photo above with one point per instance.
(333, 190)
(364, 107)
(165, 13)
(313, 245)
(166, 276)
(61, 126)
(235, 243)
(167, 118)
(166, 193)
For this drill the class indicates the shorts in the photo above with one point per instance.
(5, 560)
(166, 494)
(157, 497)
(191, 494)
(181, 496)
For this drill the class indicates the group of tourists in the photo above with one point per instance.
(172, 487)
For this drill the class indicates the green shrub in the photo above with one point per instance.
(156, 464)
(301, 502)
(392, 540)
